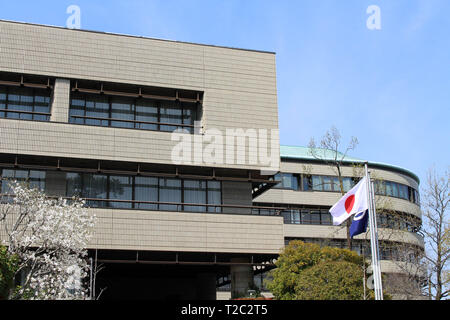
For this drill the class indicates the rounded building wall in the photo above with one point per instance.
(397, 204)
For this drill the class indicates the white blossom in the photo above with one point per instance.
(50, 237)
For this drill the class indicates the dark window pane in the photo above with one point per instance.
(97, 106)
(306, 217)
(315, 217)
(146, 189)
(189, 115)
(120, 188)
(317, 183)
(122, 108)
(347, 184)
(327, 183)
(95, 186)
(403, 191)
(20, 99)
(170, 113)
(37, 179)
(74, 184)
(395, 189)
(325, 217)
(7, 176)
(146, 110)
(286, 216)
(214, 195)
(295, 216)
(169, 191)
(389, 189)
(277, 177)
(307, 183)
(194, 192)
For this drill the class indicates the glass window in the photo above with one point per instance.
(120, 188)
(336, 184)
(325, 217)
(380, 187)
(295, 216)
(289, 181)
(146, 110)
(169, 191)
(2, 101)
(194, 192)
(170, 112)
(122, 108)
(317, 183)
(315, 217)
(95, 186)
(74, 184)
(307, 183)
(395, 189)
(37, 179)
(403, 191)
(97, 106)
(20, 99)
(214, 195)
(189, 115)
(347, 183)
(24, 99)
(77, 108)
(34, 179)
(277, 177)
(146, 189)
(41, 104)
(306, 217)
(326, 183)
(389, 188)
(286, 216)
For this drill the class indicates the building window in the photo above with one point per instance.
(34, 178)
(135, 113)
(288, 181)
(25, 103)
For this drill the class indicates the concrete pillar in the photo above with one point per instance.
(206, 286)
(241, 278)
(60, 101)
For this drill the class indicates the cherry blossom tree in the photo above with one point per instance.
(49, 237)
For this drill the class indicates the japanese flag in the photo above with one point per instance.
(352, 202)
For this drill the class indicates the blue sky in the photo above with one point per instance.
(389, 87)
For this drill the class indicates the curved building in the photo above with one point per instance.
(309, 186)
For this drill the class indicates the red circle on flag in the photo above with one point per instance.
(349, 202)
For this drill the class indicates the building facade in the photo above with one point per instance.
(102, 116)
(309, 186)
(93, 114)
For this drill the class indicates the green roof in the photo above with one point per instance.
(304, 153)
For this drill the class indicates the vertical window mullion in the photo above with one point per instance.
(158, 104)
(182, 195)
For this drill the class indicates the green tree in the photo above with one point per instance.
(8, 267)
(330, 280)
(303, 267)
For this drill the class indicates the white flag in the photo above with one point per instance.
(352, 202)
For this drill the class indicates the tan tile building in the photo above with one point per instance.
(175, 146)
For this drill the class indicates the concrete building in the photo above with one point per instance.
(308, 188)
(94, 114)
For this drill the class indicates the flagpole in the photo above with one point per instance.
(380, 287)
(373, 237)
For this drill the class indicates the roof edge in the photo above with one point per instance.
(135, 36)
(351, 161)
